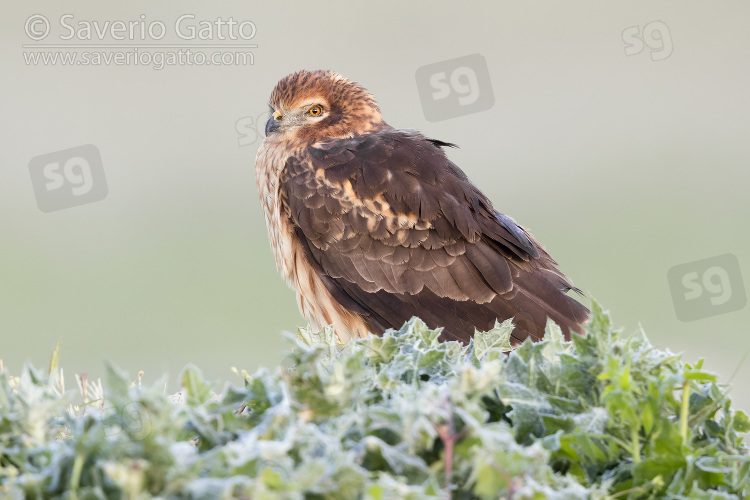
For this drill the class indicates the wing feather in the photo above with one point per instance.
(395, 229)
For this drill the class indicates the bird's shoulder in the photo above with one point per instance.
(388, 151)
(392, 181)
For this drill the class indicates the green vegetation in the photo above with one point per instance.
(402, 416)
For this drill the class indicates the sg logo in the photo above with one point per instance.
(655, 36)
(68, 178)
(250, 130)
(133, 419)
(463, 81)
(707, 287)
(453, 88)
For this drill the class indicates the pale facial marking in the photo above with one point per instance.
(308, 112)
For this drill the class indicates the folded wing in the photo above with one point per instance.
(395, 229)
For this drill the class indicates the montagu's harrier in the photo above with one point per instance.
(372, 225)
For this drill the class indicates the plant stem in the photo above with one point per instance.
(684, 411)
(636, 443)
(76, 475)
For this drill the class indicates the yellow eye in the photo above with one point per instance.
(316, 110)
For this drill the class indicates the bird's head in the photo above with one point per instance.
(313, 105)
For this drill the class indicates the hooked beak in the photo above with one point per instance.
(272, 125)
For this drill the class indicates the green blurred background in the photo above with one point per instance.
(623, 166)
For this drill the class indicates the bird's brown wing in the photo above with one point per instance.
(395, 229)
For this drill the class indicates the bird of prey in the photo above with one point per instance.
(371, 225)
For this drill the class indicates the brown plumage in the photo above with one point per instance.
(371, 225)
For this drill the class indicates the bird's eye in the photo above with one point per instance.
(316, 110)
